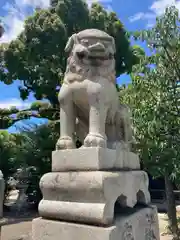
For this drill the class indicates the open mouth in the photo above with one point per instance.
(95, 56)
(100, 57)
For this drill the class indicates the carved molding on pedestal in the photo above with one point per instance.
(149, 232)
(90, 188)
(128, 232)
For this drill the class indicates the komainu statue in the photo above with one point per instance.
(89, 102)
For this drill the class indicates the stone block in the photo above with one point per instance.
(94, 159)
(137, 224)
(89, 197)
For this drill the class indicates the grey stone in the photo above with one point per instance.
(89, 94)
(94, 158)
(90, 196)
(90, 185)
(140, 225)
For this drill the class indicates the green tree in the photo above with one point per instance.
(35, 154)
(154, 96)
(8, 116)
(37, 56)
(8, 152)
(1, 30)
(5, 115)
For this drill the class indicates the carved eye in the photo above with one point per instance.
(111, 56)
(80, 55)
(85, 42)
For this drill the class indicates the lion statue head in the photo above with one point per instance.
(91, 54)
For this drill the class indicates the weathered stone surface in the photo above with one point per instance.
(85, 159)
(138, 225)
(90, 196)
(89, 94)
(2, 186)
(90, 185)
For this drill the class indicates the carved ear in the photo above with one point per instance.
(70, 43)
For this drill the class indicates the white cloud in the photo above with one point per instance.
(106, 3)
(156, 9)
(18, 10)
(141, 15)
(16, 13)
(33, 3)
(102, 1)
(136, 17)
(14, 102)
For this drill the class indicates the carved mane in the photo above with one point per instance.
(78, 69)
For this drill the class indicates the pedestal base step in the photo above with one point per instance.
(93, 158)
(89, 197)
(142, 224)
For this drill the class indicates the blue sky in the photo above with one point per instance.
(135, 15)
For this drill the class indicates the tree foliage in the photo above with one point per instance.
(157, 94)
(35, 154)
(37, 56)
(1, 30)
(154, 96)
(38, 60)
(8, 152)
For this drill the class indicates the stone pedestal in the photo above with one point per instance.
(95, 193)
(137, 224)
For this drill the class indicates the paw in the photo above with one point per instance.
(65, 143)
(95, 140)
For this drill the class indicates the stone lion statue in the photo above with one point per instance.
(89, 102)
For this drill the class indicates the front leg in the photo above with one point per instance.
(97, 119)
(67, 124)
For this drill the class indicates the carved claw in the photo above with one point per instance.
(95, 140)
(65, 143)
